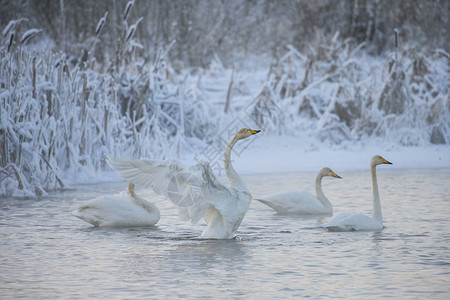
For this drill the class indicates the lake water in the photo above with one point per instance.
(47, 253)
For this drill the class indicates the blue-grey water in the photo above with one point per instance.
(47, 253)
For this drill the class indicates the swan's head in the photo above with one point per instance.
(329, 172)
(378, 160)
(245, 133)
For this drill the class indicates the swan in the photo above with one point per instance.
(123, 210)
(301, 202)
(360, 222)
(196, 190)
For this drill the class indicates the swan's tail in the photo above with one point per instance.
(269, 204)
(85, 213)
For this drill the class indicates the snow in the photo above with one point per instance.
(270, 154)
(290, 154)
(29, 34)
(101, 24)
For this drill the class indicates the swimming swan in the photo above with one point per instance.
(360, 222)
(122, 210)
(196, 190)
(301, 202)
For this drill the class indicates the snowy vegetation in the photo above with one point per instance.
(57, 118)
(339, 93)
(60, 114)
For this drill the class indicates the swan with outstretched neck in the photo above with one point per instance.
(123, 210)
(195, 190)
(360, 222)
(301, 202)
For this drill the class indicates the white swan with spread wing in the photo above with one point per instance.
(123, 210)
(360, 222)
(301, 202)
(196, 190)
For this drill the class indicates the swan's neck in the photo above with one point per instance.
(149, 207)
(377, 215)
(134, 198)
(233, 177)
(139, 202)
(319, 193)
(131, 190)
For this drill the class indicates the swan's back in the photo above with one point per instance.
(294, 202)
(118, 211)
(353, 222)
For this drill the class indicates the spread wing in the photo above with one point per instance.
(191, 188)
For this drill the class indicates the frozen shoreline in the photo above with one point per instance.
(277, 155)
(289, 154)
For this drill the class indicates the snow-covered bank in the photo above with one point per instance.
(285, 154)
(279, 154)
(290, 154)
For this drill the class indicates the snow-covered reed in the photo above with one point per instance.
(339, 93)
(57, 120)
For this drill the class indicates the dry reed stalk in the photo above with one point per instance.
(230, 86)
(105, 124)
(18, 176)
(61, 183)
(34, 78)
(85, 95)
(4, 148)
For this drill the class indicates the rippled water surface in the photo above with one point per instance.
(47, 253)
